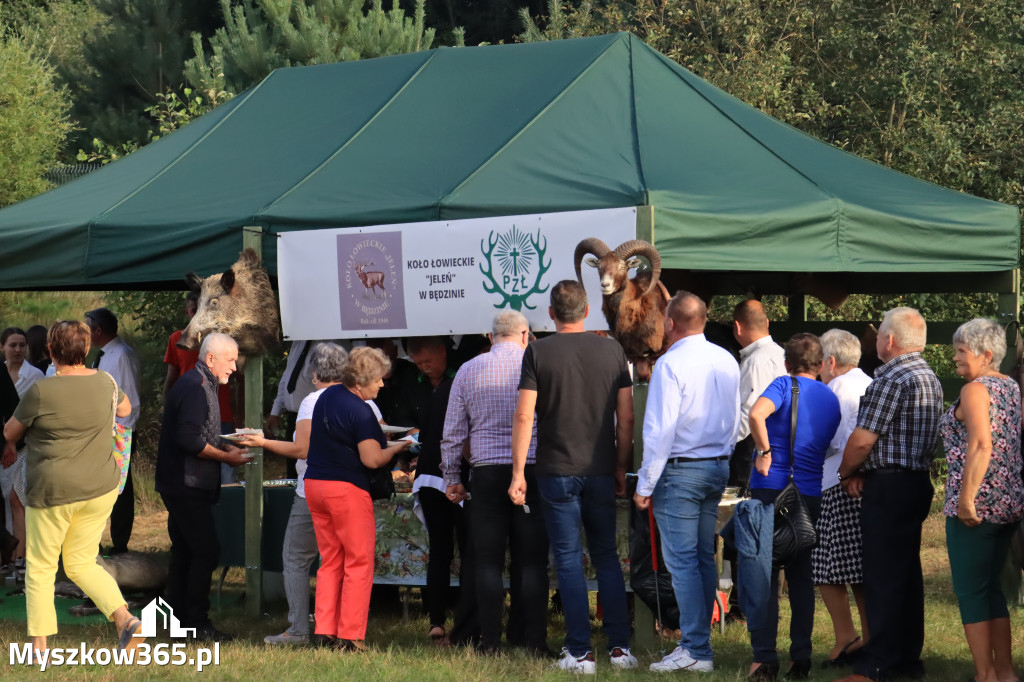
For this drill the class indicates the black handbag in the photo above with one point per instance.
(794, 528)
(382, 484)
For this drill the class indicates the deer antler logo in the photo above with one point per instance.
(517, 254)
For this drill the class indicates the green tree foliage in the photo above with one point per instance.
(261, 35)
(167, 115)
(33, 117)
(137, 52)
(928, 87)
(63, 26)
(489, 21)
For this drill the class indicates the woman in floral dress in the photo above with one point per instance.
(984, 492)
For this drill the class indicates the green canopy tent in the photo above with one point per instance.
(503, 130)
(500, 130)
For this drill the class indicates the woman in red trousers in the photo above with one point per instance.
(345, 444)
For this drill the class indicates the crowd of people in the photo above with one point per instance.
(522, 446)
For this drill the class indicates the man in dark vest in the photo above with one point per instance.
(188, 479)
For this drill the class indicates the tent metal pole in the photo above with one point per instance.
(252, 237)
(644, 619)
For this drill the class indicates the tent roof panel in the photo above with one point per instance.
(498, 130)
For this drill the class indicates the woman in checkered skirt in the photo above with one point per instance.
(836, 561)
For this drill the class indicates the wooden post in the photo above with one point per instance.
(644, 633)
(253, 237)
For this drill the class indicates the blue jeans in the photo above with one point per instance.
(764, 639)
(569, 503)
(686, 508)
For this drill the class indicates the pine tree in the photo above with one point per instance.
(33, 118)
(138, 52)
(262, 35)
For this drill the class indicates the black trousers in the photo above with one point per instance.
(446, 527)
(739, 474)
(894, 505)
(466, 624)
(122, 516)
(289, 464)
(195, 553)
(801, 598)
(497, 526)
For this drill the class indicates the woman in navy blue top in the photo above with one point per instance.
(345, 443)
(818, 418)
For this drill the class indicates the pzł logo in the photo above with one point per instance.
(519, 258)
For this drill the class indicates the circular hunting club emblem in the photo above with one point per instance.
(370, 281)
(515, 266)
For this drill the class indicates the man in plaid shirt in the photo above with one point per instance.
(886, 463)
(480, 409)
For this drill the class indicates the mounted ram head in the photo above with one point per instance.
(634, 308)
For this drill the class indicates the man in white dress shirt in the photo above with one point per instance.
(119, 360)
(761, 362)
(690, 426)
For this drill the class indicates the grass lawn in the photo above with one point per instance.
(400, 650)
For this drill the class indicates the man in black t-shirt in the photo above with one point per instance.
(579, 387)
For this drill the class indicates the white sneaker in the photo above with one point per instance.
(584, 664)
(680, 659)
(622, 659)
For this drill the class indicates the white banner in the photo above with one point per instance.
(445, 277)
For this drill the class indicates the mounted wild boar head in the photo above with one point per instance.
(239, 303)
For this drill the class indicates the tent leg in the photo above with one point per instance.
(644, 621)
(1008, 308)
(643, 618)
(797, 310)
(252, 237)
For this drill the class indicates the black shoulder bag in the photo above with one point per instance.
(794, 528)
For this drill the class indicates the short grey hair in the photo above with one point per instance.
(841, 345)
(980, 335)
(907, 327)
(509, 323)
(216, 343)
(328, 361)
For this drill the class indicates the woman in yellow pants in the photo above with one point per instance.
(71, 482)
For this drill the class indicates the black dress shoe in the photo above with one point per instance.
(799, 670)
(320, 641)
(208, 633)
(765, 671)
(350, 646)
(487, 649)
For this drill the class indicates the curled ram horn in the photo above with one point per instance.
(639, 247)
(589, 245)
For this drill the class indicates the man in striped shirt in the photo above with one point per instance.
(483, 400)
